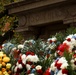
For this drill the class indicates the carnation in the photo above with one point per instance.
(64, 65)
(14, 48)
(53, 68)
(31, 74)
(69, 36)
(62, 60)
(15, 69)
(20, 46)
(38, 67)
(19, 66)
(32, 58)
(23, 56)
(54, 39)
(28, 67)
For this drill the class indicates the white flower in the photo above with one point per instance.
(64, 66)
(28, 58)
(53, 68)
(14, 48)
(72, 61)
(35, 58)
(32, 41)
(38, 67)
(60, 72)
(20, 46)
(70, 36)
(31, 58)
(54, 39)
(19, 66)
(28, 67)
(73, 66)
(62, 60)
(17, 63)
(15, 70)
(64, 74)
(23, 57)
(24, 61)
(48, 39)
(31, 74)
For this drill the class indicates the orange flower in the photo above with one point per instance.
(3, 64)
(3, 69)
(9, 72)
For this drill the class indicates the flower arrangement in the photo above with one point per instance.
(56, 56)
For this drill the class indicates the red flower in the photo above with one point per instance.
(18, 70)
(48, 55)
(47, 72)
(62, 48)
(0, 47)
(29, 53)
(23, 65)
(50, 41)
(74, 55)
(28, 62)
(17, 74)
(39, 71)
(75, 62)
(28, 72)
(33, 66)
(64, 71)
(68, 39)
(20, 61)
(58, 65)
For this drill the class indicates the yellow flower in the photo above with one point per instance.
(6, 59)
(1, 73)
(1, 54)
(8, 66)
(5, 73)
(4, 55)
(0, 65)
